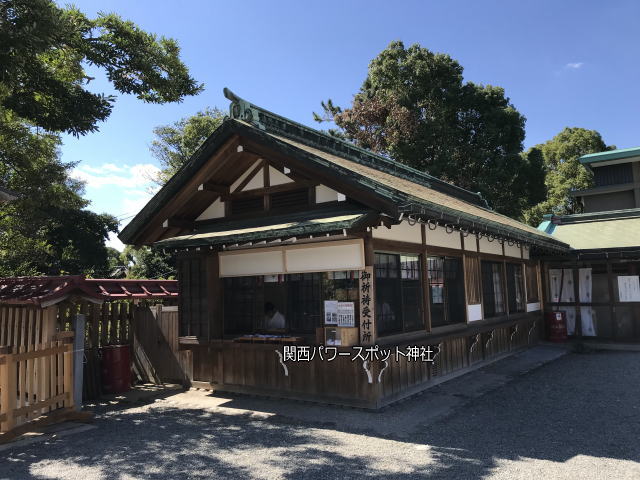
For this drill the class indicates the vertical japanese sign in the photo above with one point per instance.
(367, 307)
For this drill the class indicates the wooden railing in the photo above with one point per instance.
(35, 380)
(26, 326)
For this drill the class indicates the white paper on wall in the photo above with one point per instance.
(585, 285)
(330, 312)
(474, 312)
(346, 314)
(586, 313)
(588, 324)
(629, 288)
(571, 319)
(533, 307)
(561, 285)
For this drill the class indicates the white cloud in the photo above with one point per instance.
(574, 65)
(134, 176)
(114, 242)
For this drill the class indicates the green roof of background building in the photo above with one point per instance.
(610, 155)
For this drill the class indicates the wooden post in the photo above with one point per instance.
(576, 296)
(214, 296)
(78, 359)
(8, 380)
(612, 301)
(68, 373)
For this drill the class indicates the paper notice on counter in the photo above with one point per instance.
(331, 312)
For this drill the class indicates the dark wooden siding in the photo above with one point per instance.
(192, 278)
(613, 175)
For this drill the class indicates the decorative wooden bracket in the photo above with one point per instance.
(514, 330)
(365, 366)
(439, 347)
(533, 327)
(386, 365)
(489, 340)
(284, 367)
(474, 342)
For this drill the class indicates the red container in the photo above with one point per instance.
(116, 369)
(556, 326)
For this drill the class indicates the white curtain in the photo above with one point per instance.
(561, 283)
(587, 314)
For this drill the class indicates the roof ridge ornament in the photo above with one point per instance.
(240, 109)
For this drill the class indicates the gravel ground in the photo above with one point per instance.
(578, 417)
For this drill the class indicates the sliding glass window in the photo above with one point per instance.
(515, 287)
(398, 293)
(493, 289)
(446, 290)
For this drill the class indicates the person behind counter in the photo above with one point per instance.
(273, 319)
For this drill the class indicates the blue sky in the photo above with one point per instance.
(562, 63)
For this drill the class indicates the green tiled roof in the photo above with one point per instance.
(400, 190)
(269, 228)
(610, 155)
(598, 230)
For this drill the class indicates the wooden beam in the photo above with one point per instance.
(213, 187)
(285, 187)
(249, 177)
(180, 223)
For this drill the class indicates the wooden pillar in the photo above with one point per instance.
(215, 299)
(78, 359)
(576, 297)
(426, 293)
(369, 262)
(8, 380)
(612, 300)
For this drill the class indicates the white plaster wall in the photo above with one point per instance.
(276, 177)
(317, 257)
(325, 194)
(256, 182)
(403, 232)
(440, 238)
(512, 250)
(241, 178)
(215, 210)
(264, 262)
(494, 247)
(325, 258)
(470, 244)
(526, 252)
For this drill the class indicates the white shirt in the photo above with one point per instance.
(276, 321)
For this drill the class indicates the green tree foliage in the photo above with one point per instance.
(415, 108)
(175, 144)
(564, 172)
(43, 49)
(47, 230)
(148, 262)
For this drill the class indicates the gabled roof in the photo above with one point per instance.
(45, 291)
(398, 189)
(593, 159)
(615, 229)
(325, 221)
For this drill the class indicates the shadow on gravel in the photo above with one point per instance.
(580, 405)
